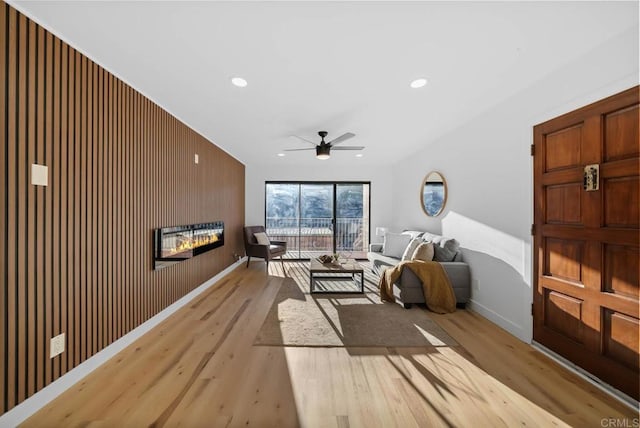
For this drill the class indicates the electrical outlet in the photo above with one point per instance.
(57, 345)
(196, 159)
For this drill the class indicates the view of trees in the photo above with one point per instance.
(306, 210)
(313, 201)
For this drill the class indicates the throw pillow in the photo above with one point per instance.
(395, 244)
(423, 252)
(444, 254)
(408, 252)
(413, 233)
(262, 238)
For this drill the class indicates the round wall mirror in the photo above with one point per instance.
(433, 194)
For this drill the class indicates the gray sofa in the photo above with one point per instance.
(408, 289)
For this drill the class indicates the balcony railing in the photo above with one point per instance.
(315, 235)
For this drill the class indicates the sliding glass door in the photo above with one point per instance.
(352, 219)
(319, 217)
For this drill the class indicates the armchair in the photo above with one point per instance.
(266, 252)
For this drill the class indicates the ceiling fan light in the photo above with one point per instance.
(322, 152)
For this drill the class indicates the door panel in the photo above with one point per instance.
(563, 203)
(563, 148)
(586, 243)
(564, 315)
(620, 127)
(621, 189)
(352, 219)
(564, 260)
(282, 215)
(621, 270)
(316, 219)
(621, 338)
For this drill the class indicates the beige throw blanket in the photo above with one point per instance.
(438, 293)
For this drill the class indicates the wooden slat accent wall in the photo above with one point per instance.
(76, 256)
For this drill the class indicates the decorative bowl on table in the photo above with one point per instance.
(327, 258)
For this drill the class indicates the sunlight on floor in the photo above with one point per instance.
(411, 387)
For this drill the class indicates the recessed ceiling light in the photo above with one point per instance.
(359, 155)
(281, 154)
(418, 83)
(239, 82)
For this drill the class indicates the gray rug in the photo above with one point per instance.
(298, 318)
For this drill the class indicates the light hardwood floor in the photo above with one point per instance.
(199, 368)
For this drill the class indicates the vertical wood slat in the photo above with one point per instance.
(53, 54)
(35, 382)
(99, 286)
(47, 280)
(93, 257)
(22, 272)
(75, 256)
(31, 206)
(11, 381)
(110, 286)
(88, 199)
(81, 245)
(4, 30)
(64, 173)
(68, 253)
(75, 188)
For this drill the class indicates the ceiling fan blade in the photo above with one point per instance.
(348, 148)
(341, 138)
(296, 150)
(305, 140)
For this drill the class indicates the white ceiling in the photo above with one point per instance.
(334, 66)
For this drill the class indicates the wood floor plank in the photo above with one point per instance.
(200, 368)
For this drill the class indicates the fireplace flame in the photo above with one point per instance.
(190, 243)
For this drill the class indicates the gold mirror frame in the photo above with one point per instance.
(433, 212)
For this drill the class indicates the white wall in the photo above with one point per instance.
(380, 178)
(488, 169)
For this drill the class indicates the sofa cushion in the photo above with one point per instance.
(395, 244)
(413, 233)
(408, 252)
(424, 252)
(379, 262)
(443, 254)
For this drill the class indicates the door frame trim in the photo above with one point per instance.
(589, 377)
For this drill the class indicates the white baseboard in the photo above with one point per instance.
(595, 381)
(37, 401)
(499, 320)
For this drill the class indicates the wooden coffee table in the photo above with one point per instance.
(340, 271)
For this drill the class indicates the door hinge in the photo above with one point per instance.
(533, 150)
(533, 229)
(532, 309)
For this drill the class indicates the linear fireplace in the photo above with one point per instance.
(175, 244)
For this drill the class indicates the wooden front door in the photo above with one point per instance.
(586, 241)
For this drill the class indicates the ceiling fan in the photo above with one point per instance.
(323, 150)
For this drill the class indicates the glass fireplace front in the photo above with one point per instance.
(178, 243)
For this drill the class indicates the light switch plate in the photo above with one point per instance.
(196, 158)
(39, 175)
(57, 345)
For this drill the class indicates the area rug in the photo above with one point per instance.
(298, 318)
